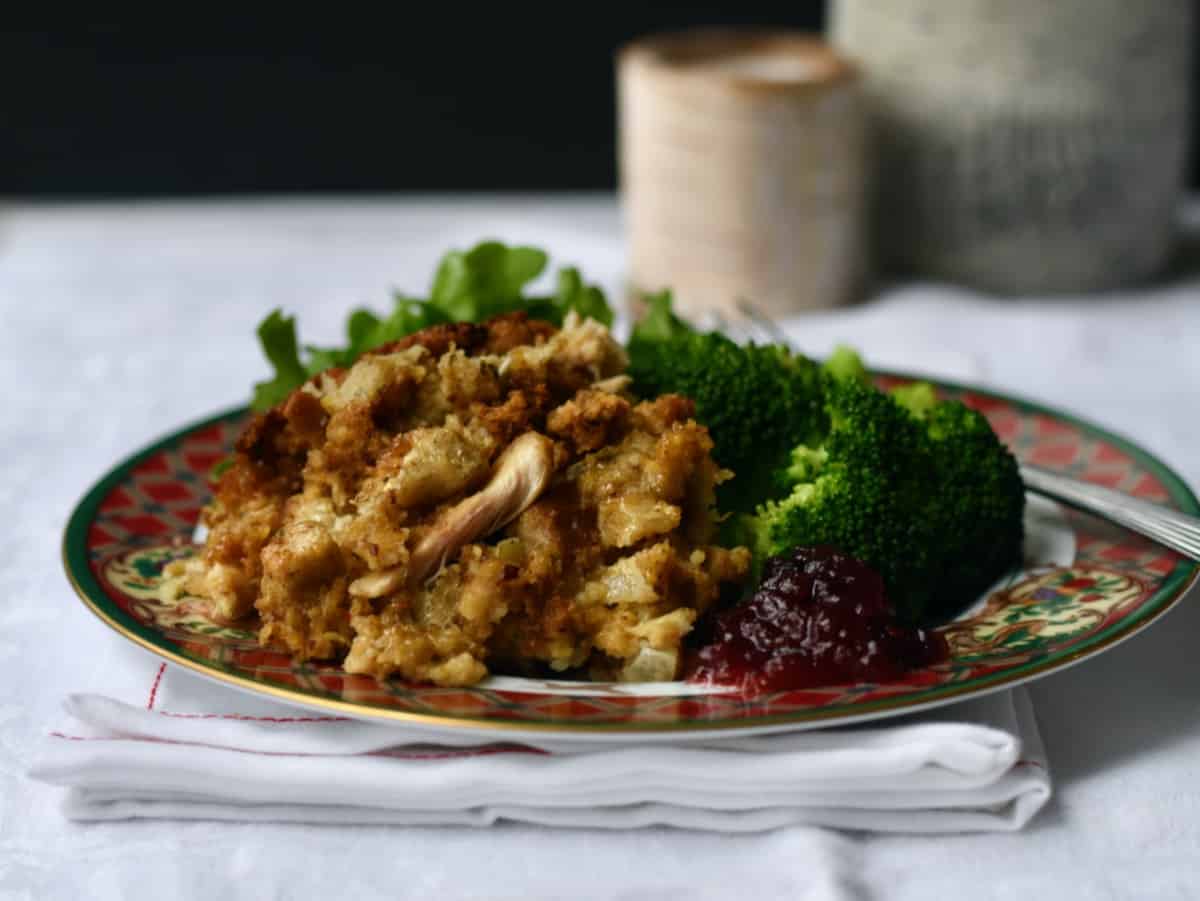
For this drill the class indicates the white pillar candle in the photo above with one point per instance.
(742, 158)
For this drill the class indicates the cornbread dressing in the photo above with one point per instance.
(473, 497)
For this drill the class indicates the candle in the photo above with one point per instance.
(742, 161)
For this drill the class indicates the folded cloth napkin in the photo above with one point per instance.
(196, 750)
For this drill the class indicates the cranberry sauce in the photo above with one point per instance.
(818, 617)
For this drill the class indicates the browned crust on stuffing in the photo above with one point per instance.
(323, 520)
(591, 419)
(498, 335)
(438, 339)
(514, 330)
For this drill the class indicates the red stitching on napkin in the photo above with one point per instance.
(162, 668)
(255, 719)
(171, 741)
(163, 741)
(1030, 763)
(174, 742)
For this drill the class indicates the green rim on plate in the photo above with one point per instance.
(141, 515)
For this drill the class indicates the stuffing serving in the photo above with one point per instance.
(472, 497)
(487, 481)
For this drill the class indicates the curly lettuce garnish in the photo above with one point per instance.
(469, 286)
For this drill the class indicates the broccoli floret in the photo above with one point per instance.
(918, 397)
(845, 363)
(931, 498)
(758, 402)
(921, 490)
(981, 501)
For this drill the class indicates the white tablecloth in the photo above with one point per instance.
(121, 321)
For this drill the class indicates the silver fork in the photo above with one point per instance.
(1170, 528)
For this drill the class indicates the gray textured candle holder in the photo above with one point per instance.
(1025, 146)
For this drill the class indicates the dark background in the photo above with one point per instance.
(515, 99)
(461, 100)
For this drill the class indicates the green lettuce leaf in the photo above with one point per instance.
(572, 293)
(659, 323)
(277, 335)
(469, 285)
(486, 280)
(360, 327)
(408, 315)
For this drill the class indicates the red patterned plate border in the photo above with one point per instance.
(141, 514)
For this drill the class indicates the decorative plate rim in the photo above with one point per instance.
(1173, 587)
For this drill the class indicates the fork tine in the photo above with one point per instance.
(763, 322)
(736, 329)
(713, 320)
(743, 331)
(705, 321)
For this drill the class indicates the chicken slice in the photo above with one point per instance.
(521, 473)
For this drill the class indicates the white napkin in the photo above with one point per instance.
(166, 744)
(195, 750)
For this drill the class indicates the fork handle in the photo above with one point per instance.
(1171, 528)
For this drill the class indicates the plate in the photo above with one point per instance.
(1085, 586)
